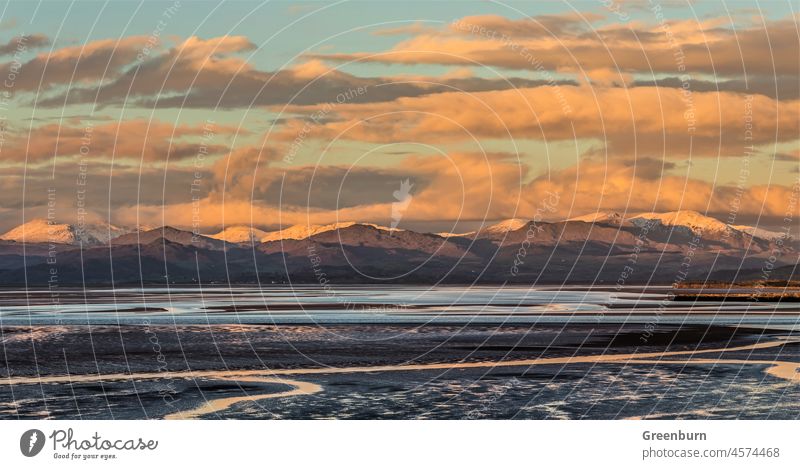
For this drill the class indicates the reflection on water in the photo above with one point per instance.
(579, 392)
(394, 352)
(378, 304)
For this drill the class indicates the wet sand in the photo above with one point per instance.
(216, 405)
(785, 370)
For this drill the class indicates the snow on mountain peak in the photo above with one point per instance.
(40, 230)
(445, 234)
(512, 224)
(239, 234)
(43, 231)
(760, 232)
(302, 231)
(691, 219)
(608, 216)
(307, 231)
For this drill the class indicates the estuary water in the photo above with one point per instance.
(394, 352)
(378, 304)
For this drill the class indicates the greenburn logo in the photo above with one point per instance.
(31, 442)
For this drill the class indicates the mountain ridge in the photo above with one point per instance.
(677, 223)
(557, 252)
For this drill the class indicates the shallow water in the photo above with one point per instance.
(377, 304)
(393, 352)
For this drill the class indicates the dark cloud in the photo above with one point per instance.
(648, 168)
(334, 187)
(326, 187)
(787, 157)
(536, 26)
(780, 87)
(23, 43)
(206, 79)
(75, 64)
(151, 141)
(98, 187)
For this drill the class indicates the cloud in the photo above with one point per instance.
(466, 186)
(463, 187)
(195, 64)
(249, 174)
(593, 186)
(8, 24)
(498, 27)
(205, 73)
(417, 27)
(568, 44)
(94, 191)
(648, 168)
(234, 174)
(643, 120)
(91, 62)
(151, 141)
(642, 96)
(789, 156)
(24, 43)
(780, 87)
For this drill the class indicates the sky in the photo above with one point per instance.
(433, 116)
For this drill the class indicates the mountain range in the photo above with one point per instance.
(598, 248)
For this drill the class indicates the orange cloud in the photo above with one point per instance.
(593, 186)
(153, 141)
(572, 43)
(464, 186)
(468, 187)
(647, 121)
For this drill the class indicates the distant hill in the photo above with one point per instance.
(601, 248)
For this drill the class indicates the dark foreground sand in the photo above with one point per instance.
(397, 371)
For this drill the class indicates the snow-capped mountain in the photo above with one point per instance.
(306, 231)
(41, 231)
(611, 217)
(694, 221)
(574, 250)
(512, 224)
(760, 232)
(496, 230)
(103, 232)
(688, 220)
(302, 231)
(445, 234)
(240, 234)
